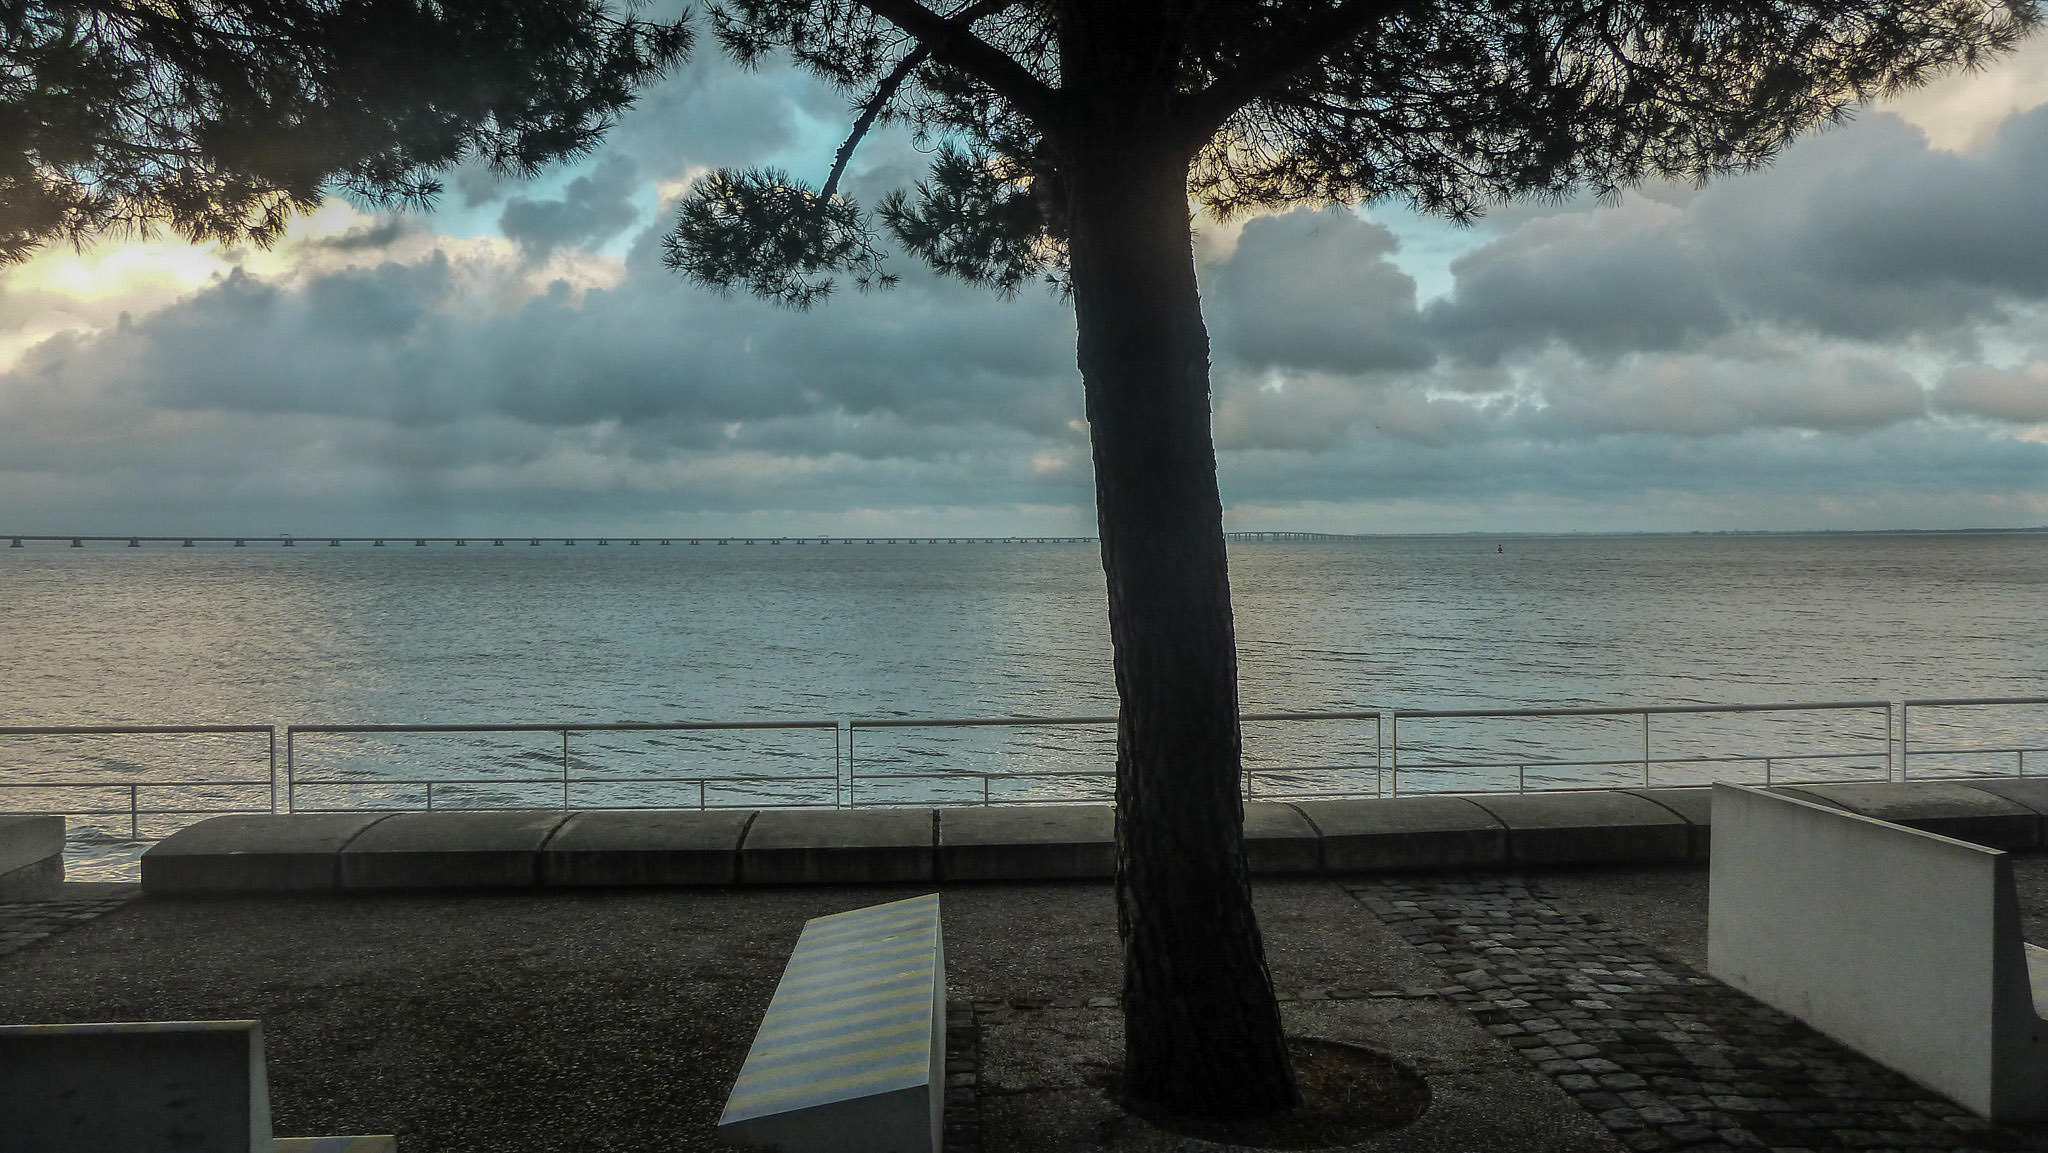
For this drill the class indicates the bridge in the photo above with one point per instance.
(289, 541)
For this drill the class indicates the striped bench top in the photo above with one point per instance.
(854, 1016)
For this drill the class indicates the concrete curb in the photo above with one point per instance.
(1589, 828)
(459, 850)
(1966, 812)
(549, 848)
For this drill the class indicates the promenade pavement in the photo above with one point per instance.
(614, 1019)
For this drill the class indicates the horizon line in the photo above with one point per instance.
(136, 540)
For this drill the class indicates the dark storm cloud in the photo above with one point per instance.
(420, 342)
(710, 113)
(592, 210)
(1315, 290)
(1864, 233)
(1605, 282)
(1695, 356)
(378, 234)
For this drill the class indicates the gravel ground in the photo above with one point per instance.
(617, 1020)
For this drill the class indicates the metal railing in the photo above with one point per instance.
(134, 809)
(567, 779)
(2019, 752)
(987, 780)
(1402, 756)
(1646, 761)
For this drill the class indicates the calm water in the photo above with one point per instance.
(266, 635)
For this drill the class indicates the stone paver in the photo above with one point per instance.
(963, 1079)
(22, 923)
(1665, 1056)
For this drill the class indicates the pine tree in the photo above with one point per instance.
(1070, 139)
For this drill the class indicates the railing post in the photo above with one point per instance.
(291, 795)
(1379, 755)
(565, 770)
(846, 727)
(700, 796)
(430, 796)
(1767, 772)
(1646, 748)
(273, 768)
(134, 826)
(1905, 753)
(1521, 778)
(1394, 751)
(1889, 734)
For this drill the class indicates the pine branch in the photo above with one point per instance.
(953, 43)
(884, 92)
(1278, 60)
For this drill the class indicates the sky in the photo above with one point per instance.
(1853, 338)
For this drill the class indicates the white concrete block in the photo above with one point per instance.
(1901, 944)
(140, 1087)
(145, 1087)
(851, 1055)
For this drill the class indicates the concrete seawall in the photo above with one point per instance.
(516, 849)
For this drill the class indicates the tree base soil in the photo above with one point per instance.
(1348, 1093)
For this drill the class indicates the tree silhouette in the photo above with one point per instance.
(223, 119)
(1069, 138)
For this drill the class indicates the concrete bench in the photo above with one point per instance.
(851, 1056)
(145, 1087)
(31, 855)
(1899, 943)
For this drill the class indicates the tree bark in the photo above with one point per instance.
(1202, 1030)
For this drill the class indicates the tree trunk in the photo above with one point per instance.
(1202, 1029)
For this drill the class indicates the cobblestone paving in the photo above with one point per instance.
(963, 1079)
(23, 923)
(1667, 1057)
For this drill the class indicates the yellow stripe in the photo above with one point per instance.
(766, 1055)
(865, 959)
(806, 950)
(799, 975)
(742, 1089)
(916, 989)
(815, 932)
(773, 1031)
(914, 907)
(810, 998)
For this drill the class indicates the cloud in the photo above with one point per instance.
(1864, 233)
(1605, 283)
(1960, 111)
(1697, 394)
(1315, 290)
(2016, 396)
(593, 209)
(1754, 353)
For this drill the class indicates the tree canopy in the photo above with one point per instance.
(221, 120)
(1446, 105)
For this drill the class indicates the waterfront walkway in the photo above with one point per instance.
(1548, 1010)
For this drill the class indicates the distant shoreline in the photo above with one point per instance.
(1235, 536)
